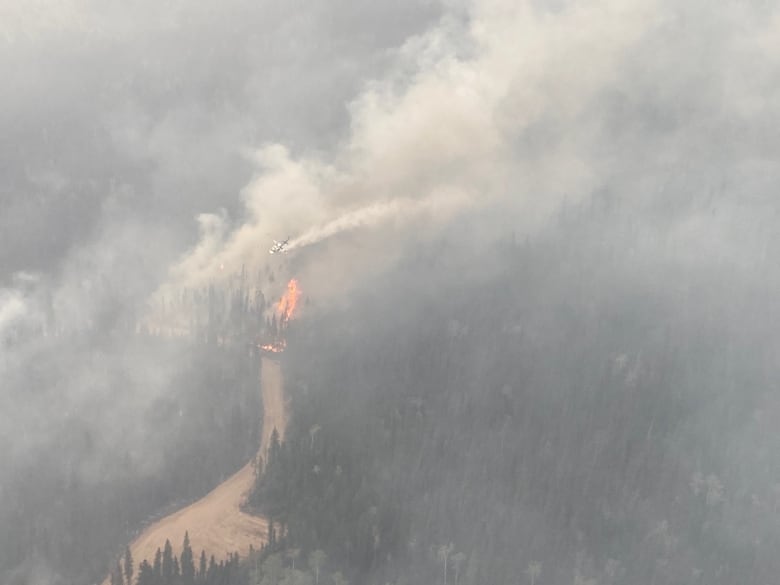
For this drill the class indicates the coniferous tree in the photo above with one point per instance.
(293, 554)
(128, 568)
(157, 567)
(116, 576)
(316, 560)
(271, 533)
(202, 568)
(145, 574)
(167, 563)
(274, 446)
(187, 562)
(272, 570)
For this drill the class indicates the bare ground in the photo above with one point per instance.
(216, 522)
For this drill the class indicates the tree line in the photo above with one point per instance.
(274, 563)
(169, 569)
(575, 412)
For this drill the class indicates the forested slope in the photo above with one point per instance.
(581, 406)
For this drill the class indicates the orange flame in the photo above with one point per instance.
(285, 310)
(289, 301)
(275, 347)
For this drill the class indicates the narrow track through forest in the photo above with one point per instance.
(216, 523)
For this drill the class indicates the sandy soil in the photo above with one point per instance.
(216, 523)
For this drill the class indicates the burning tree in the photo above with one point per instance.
(285, 310)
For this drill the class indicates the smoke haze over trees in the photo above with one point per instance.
(556, 410)
(537, 241)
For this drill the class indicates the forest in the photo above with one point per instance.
(533, 412)
(549, 418)
(273, 564)
(535, 247)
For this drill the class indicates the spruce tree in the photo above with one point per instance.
(157, 568)
(202, 567)
(145, 574)
(272, 570)
(187, 562)
(128, 566)
(274, 447)
(316, 560)
(167, 563)
(116, 576)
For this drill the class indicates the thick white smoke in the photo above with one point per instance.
(433, 136)
(526, 104)
(393, 210)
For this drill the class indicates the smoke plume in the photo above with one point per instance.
(397, 209)
(435, 134)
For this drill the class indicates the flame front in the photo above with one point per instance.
(289, 301)
(285, 311)
(275, 347)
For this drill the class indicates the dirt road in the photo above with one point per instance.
(216, 523)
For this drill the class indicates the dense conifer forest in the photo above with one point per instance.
(516, 428)
(503, 428)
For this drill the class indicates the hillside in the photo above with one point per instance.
(216, 523)
(539, 410)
